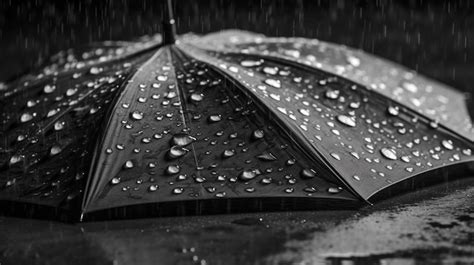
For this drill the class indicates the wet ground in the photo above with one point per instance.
(431, 226)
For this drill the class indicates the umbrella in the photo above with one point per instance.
(229, 118)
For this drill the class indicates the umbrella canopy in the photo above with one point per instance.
(229, 115)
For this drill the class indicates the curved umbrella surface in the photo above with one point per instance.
(226, 115)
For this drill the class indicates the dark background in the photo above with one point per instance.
(434, 37)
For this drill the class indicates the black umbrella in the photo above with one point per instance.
(230, 117)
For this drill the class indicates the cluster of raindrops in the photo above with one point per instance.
(204, 138)
(50, 126)
(386, 141)
(436, 101)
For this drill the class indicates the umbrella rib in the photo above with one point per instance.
(182, 107)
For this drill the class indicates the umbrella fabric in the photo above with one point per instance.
(228, 115)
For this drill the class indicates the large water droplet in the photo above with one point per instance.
(394, 111)
(136, 115)
(177, 151)
(215, 118)
(258, 134)
(228, 153)
(273, 82)
(336, 156)
(178, 190)
(115, 181)
(15, 159)
(332, 94)
(182, 139)
(248, 175)
(346, 120)
(153, 188)
(49, 89)
(270, 70)
(128, 164)
(26, 117)
(410, 87)
(172, 169)
(448, 144)
(59, 125)
(196, 97)
(389, 153)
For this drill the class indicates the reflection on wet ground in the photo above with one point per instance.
(434, 225)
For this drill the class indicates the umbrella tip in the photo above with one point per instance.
(169, 27)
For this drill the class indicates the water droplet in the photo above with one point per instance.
(336, 156)
(26, 117)
(177, 151)
(405, 159)
(178, 190)
(250, 189)
(249, 63)
(448, 144)
(196, 97)
(389, 153)
(310, 189)
(258, 134)
(15, 159)
(220, 194)
(162, 78)
(467, 152)
(354, 105)
(352, 60)
(434, 124)
(334, 190)
(215, 118)
(172, 169)
(304, 112)
(332, 94)
(71, 91)
(266, 181)
(136, 115)
(153, 188)
(59, 125)
(49, 89)
(182, 139)
(273, 82)
(115, 181)
(55, 149)
(128, 164)
(270, 70)
(267, 156)
(248, 174)
(410, 87)
(30, 103)
(308, 173)
(94, 70)
(346, 120)
(394, 111)
(228, 153)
